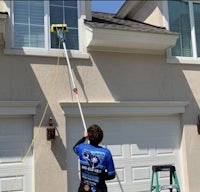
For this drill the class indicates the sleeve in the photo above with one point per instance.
(110, 168)
(75, 148)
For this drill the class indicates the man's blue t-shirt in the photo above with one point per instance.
(96, 162)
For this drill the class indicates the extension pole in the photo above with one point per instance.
(75, 90)
(59, 29)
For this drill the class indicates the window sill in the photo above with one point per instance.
(47, 53)
(183, 60)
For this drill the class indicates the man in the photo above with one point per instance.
(96, 162)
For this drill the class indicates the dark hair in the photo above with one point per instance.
(95, 134)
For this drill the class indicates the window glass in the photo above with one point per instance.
(65, 12)
(21, 12)
(37, 13)
(28, 24)
(197, 25)
(56, 15)
(71, 17)
(72, 3)
(180, 22)
(54, 2)
(21, 35)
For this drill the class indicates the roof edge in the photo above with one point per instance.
(129, 6)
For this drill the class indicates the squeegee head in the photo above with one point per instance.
(55, 27)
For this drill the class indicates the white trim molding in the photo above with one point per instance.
(133, 41)
(18, 107)
(182, 60)
(146, 108)
(46, 53)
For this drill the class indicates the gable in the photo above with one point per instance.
(145, 11)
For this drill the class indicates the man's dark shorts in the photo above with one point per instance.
(86, 188)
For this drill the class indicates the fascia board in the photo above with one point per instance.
(116, 40)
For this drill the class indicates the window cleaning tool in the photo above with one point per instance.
(174, 184)
(60, 29)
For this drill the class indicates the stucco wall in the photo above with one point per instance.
(103, 77)
(2, 6)
(30, 79)
(151, 13)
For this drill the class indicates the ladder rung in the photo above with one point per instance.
(163, 168)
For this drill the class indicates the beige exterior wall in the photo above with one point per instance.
(103, 77)
(151, 13)
(2, 6)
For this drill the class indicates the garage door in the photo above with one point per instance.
(136, 143)
(15, 138)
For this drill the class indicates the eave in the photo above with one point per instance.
(99, 39)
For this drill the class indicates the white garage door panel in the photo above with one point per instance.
(136, 144)
(15, 138)
(5, 183)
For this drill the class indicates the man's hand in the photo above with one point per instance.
(85, 134)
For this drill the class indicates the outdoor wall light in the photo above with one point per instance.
(198, 125)
(51, 130)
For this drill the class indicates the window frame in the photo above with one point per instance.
(47, 50)
(195, 59)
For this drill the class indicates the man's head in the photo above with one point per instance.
(95, 134)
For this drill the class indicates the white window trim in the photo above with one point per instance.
(178, 59)
(47, 51)
(193, 36)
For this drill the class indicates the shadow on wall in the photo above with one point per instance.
(63, 89)
(148, 78)
(59, 150)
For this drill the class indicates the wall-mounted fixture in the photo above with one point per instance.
(51, 130)
(198, 125)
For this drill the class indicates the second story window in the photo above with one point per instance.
(28, 24)
(184, 18)
(32, 21)
(65, 12)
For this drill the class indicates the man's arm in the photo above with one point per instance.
(110, 168)
(82, 140)
(106, 176)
